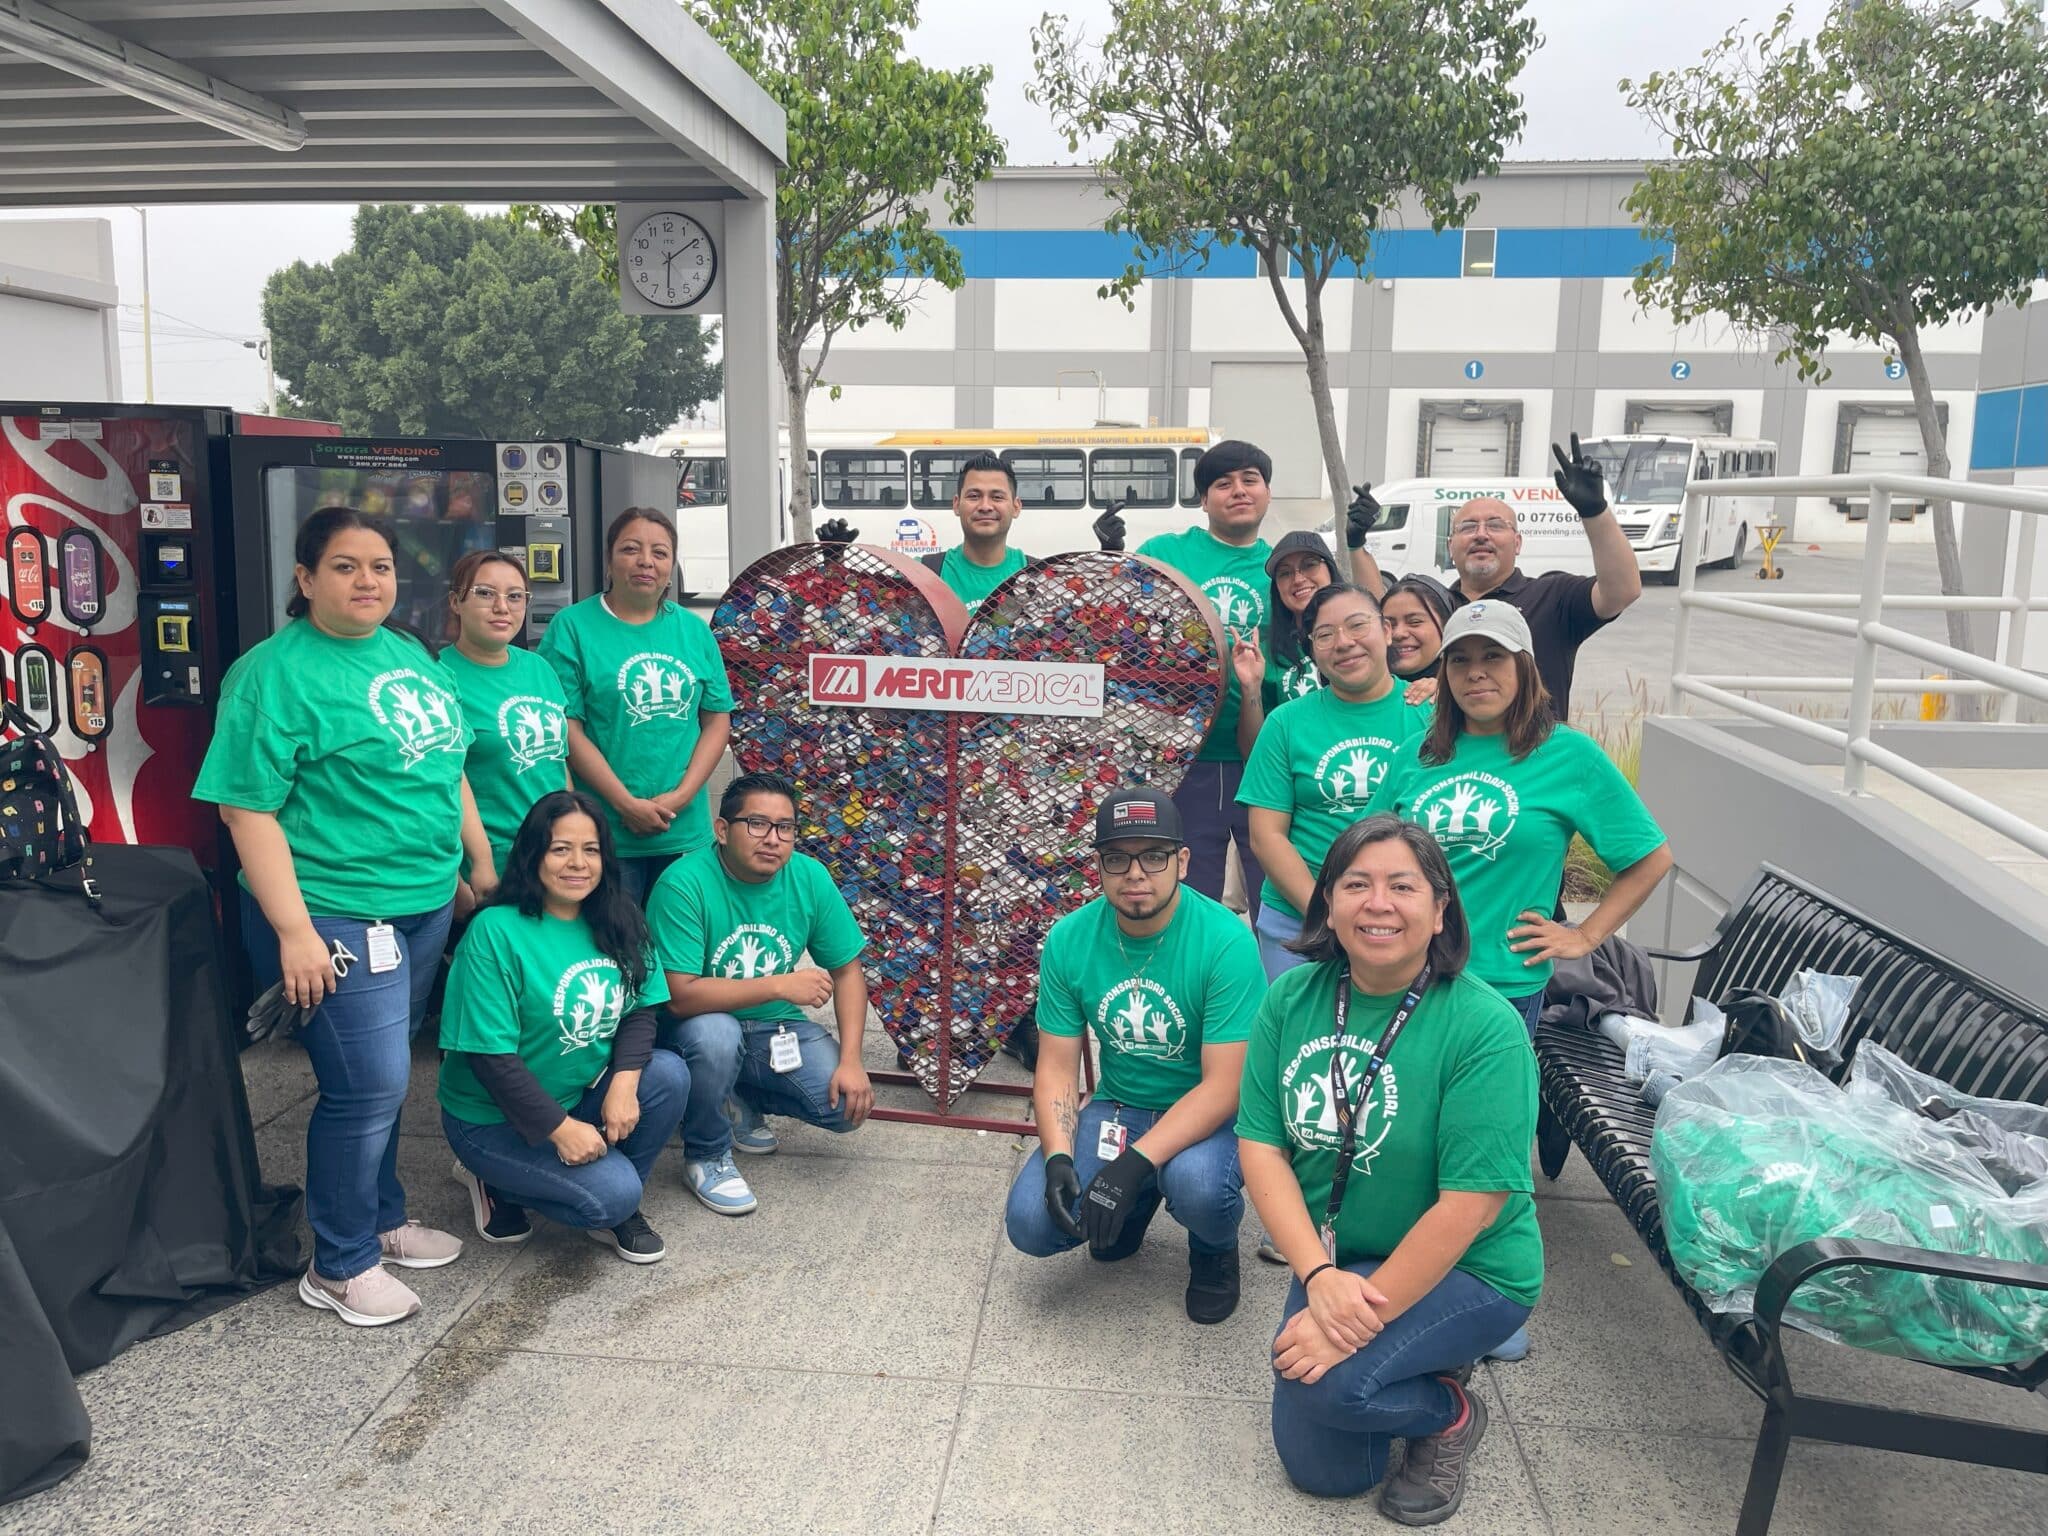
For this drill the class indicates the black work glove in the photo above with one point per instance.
(1580, 480)
(1109, 530)
(271, 1015)
(1062, 1189)
(1362, 517)
(837, 530)
(1113, 1195)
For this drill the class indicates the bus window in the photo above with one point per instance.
(1731, 464)
(702, 484)
(1443, 536)
(1189, 458)
(1703, 470)
(863, 477)
(935, 475)
(1049, 477)
(1139, 477)
(1392, 517)
(1769, 460)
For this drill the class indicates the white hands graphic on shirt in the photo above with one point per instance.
(528, 728)
(752, 959)
(1137, 1021)
(416, 714)
(1362, 772)
(595, 1015)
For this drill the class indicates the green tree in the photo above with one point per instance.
(875, 140)
(1296, 127)
(438, 321)
(1889, 174)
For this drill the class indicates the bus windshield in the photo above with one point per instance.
(1637, 473)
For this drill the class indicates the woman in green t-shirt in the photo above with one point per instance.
(650, 709)
(1267, 677)
(1383, 1060)
(337, 764)
(512, 700)
(552, 1093)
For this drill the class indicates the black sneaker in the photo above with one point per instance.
(1212, 1286)
(1431, 1482)
(632, 1240)
(497, 1219)
(1134, 1231)
(1022, 1041)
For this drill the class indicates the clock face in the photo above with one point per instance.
(669, 259)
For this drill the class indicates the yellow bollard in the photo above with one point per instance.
(1934, 706)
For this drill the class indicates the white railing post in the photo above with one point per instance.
(2014, 653)
(1690, 533)
(1869, 612)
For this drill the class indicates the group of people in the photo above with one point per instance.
(1391, 764)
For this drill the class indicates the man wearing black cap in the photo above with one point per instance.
(1226, 558)
(1169, 980)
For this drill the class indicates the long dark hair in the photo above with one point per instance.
(463, 577)
(1436, 602)
(1286, 635)
(315, 534)
(1529, 720)
(1448, 951)
(1321, 597)
(616, 921)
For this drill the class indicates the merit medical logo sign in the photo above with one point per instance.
(953, 685)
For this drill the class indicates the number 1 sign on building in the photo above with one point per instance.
(1475, 369)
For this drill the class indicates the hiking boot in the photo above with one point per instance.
(632, 1240)
(750, 1133)
(1133, 1234)
(1212, 1286)
(497, 1219)
(1431, 1483)
(717, 1184)
(413, 1246)
(369, 1300)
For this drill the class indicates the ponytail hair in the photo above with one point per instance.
(315, 534)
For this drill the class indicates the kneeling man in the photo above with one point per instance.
(1169, 980)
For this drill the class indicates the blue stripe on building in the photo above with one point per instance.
(2011, 430)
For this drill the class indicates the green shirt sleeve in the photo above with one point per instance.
(1237, 985)
(480, 1009)
(1258, 1099)
(835, 937)
(559, 647)
(1610, 815)
(1487, 1118)
(675, 918)
(251, 761)
(1268, 779)
(717, 696)
(1059, 1005)
(654, 990)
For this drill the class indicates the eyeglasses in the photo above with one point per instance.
(1357, 627)
(1491, 525)
(488, 596)
(763, 828)
(1152, 860)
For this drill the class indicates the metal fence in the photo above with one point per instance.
(2003, 679)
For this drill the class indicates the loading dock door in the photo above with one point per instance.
(1461, 447)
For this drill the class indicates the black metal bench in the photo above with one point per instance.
(1934, 1016)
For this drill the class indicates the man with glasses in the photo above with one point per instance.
(1563, 610)
(1169, 982)
(733, 925)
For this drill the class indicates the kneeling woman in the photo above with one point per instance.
(552, 1093)
(1384, 1128)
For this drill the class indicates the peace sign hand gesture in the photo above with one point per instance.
(1247, 659)
(1580, 480)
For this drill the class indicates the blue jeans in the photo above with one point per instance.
(1211, 819)
(1530, 1007)
(1201, 1185)
(360, 1043)
(1333, 1437)
(599, 1194)
(637, 875)
(728, 1058)
(1276, 930)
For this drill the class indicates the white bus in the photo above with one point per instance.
(1646, 478)
(897, 487)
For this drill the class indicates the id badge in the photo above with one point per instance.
(785, 1051)
(1329, 1237)
(383, 944)
(1109, 1142)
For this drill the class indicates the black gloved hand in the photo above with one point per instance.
(1580, 480)
(1062, 1189)
(1109, 530)
(271, 1015)
(1113, 1195)
(837, 530)
(1362, 517)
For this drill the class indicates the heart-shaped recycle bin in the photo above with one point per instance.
(959, 837)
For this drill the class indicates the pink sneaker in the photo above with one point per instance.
(413, 1246)
(369, 1300)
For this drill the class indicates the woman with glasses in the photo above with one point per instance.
(1319, 762)
(513, 701)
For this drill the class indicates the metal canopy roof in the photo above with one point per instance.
(436, 101)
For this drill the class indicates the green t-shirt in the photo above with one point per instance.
(1506, 826)
(706, 923)
(521, 749)
(1155, 1002)
(1323, 761)
(970, 582)
(1284, 683)
(540, 988)
(357, 747)
(1453, 1109)
(1234, 580)
(639, 691)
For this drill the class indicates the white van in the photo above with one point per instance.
(1415, 526)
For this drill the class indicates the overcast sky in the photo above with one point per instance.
(207, 265)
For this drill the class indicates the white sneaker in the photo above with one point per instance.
(750, 1132)
(716, 1182)
(416, 1246)
(369, 1300)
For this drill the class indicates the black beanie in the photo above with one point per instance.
(1227, 457)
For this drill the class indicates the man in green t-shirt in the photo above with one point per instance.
(730, 923)
(1169, 981)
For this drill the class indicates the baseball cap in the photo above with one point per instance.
(1494, 619)
(1301, 542)
(1137, 812)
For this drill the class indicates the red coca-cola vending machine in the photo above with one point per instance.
(118, 618)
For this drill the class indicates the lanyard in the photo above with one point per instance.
(1348, 1110)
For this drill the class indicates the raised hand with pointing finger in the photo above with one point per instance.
(1109, 529)
(1361, 517)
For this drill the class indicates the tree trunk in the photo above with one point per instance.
(1317, 356)
(800, 531)
(1948, 553)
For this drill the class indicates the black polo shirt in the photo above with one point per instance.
(1559, 608)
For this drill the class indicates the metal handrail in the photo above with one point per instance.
(2005, 678)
